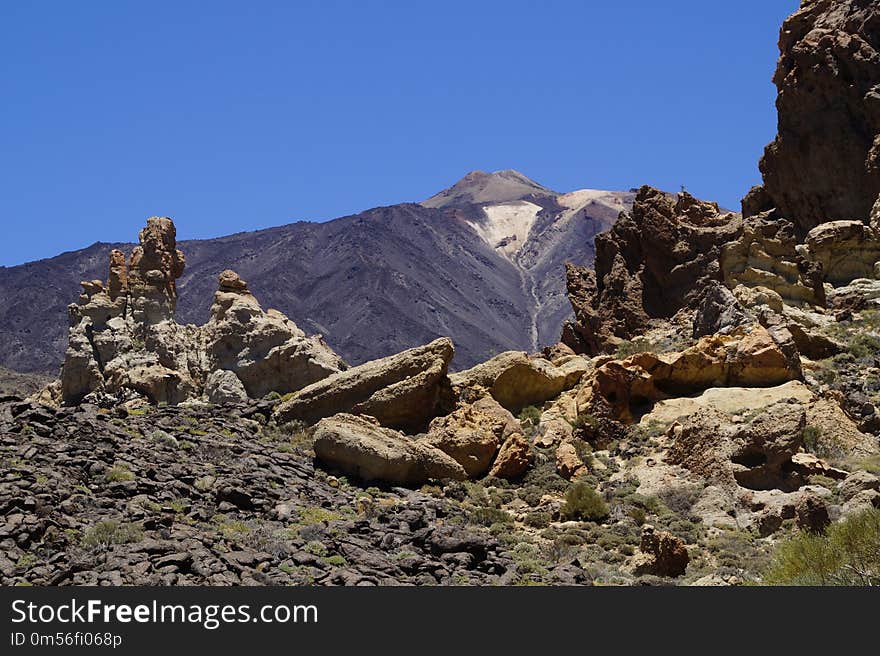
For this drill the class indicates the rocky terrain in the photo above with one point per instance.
(713, 400)
(372, 284)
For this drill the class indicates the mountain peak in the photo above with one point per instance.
(481, 187)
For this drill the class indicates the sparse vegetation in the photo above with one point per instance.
(639, 345)
(583, 503)
(107, 533)
(847, 554)
(118, 473)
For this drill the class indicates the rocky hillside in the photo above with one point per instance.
(712, 405)
(372, 284)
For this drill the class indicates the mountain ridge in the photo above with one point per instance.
(373, 283)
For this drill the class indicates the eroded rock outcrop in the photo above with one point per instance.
(266, 350)
(620, 389)
(661, 553)
(122, 335)
(824, 164)
(123, 338)
(756, 454)
(766, 255)
(403, 391)
(647, 267)
(845, 250)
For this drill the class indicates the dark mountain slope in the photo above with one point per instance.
(484, 265)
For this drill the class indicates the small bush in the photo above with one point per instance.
(847, 554)
(117, 473)
(585, 421)
(637, 514)
(864, 346)
(680, 499)
(104, 534)
(583, 503)
(638, 345)
(530, 414)
(538, 519)
(812, 435)
(490, 516)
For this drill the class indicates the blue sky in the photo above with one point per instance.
(231, 116)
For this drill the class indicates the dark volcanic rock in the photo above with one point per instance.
(103, 500)
(824, 164)
(647, 267)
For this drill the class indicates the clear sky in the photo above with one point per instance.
(231, 116)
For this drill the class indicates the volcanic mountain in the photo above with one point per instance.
(481, 262)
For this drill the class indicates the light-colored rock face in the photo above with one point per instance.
(266, 350)
(513, 459)
(755, 454)
(846, 250)
(729, 400)
(506, 226)
(766, 255)
(359, 447)
(223, 386)
(835, 433)
(473, 434)
(405, 390)
(515, 380)
(123, 336)
(568, 463)
(620, 388)
(153, 269)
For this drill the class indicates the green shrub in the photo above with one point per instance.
(585, 421)
(119, 472)
(638, 345)
(583, 503)
(530, 414)
(864, 345)
(812, 435)
(488, 516)
(637, 514)
(847, 554)
(538, 519)
(680, 499)
(110, 532)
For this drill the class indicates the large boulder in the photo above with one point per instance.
(516, 380)
(403, 391)
(755, 454)
(359, 447)
(513, 458)
(835, 434)
(824, 164)
(223, 386)
(266, 350)
(473, 434)
(661, 554)
(718, 311)
(846, 251)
